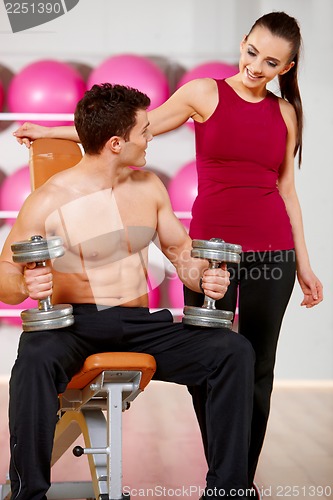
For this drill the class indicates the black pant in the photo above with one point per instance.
(218, 360)
(263, 282)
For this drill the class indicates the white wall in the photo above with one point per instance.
(179, 34)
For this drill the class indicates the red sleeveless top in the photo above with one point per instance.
(239, 151)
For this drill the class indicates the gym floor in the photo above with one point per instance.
(163, 456)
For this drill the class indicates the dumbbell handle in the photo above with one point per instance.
(209, 303)
(44, 304)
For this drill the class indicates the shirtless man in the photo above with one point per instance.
(107, 215)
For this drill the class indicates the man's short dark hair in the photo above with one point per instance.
(105, 111)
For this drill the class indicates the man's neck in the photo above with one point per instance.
(106, 172)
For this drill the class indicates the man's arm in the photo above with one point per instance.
(18, 281)
(177, 245)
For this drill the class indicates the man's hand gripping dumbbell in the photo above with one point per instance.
(38, 250)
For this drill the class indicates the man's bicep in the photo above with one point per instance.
(173, 236)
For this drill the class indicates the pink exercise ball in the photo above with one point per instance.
(14, 190)
(183, 189)
(16, 320)
(134, 71)
(154, 294)
(46, 86)
(175, 292)
(2, 96)
(211, 69)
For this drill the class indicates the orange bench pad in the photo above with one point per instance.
(111, 361)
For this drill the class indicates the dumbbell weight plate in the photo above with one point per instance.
(37, 250)
(47, 316)
(60, 316)
(217, 244)
(217, 250)
(215, 255)
(212, 318)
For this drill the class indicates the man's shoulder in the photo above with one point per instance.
(51, 194)
(53, 186)
(151, 186)
(147, 177)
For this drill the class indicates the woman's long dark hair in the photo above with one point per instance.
(284, 26)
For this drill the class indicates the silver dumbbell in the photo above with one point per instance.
(47, 316)
(215, 251)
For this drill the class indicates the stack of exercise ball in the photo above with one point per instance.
(16, 320)
(14, 190)
(175, 292)
(154, 293)
(134, 71)
(2, 96)
(183, 189)
(210, 69)
(46, 86)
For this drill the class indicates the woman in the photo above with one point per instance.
(246, 142)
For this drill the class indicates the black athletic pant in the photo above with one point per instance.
(218, 360)
(263, 282)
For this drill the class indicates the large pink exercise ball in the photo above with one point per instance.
(16, 320)
(2, 95)
(46, 86)
(211, 69)
(183, 189)
(175, 292)
(154, 294)
(14, 190)
(134, 71)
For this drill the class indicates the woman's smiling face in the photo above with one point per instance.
(263, 57)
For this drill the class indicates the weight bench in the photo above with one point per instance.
(95, 398)
(107, 381)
